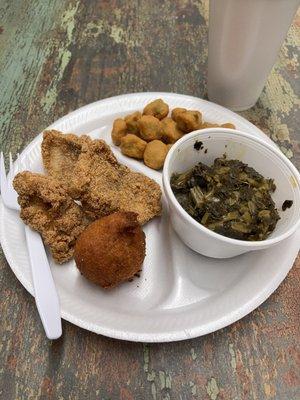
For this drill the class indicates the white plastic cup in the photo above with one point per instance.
(244, 39)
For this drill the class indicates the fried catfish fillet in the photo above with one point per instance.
(102, 184)
(60, 153)
(112, 187)
(47, 208)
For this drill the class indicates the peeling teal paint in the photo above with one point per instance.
(63, 57)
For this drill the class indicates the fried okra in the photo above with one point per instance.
(209, 125)
(132, 122)
(133, 146)
(150, 128)
(157, 108)
(187, 120)
(155, 154)
(213, 125)
(171, 132)
(119, 130)
(228, 125)
(176, 111)
(154, 125)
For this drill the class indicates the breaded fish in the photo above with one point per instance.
(47, 208)
(100, 182)
(60, 153)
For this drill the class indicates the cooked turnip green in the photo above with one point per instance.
(230, 198)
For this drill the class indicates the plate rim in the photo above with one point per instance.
(184, 334)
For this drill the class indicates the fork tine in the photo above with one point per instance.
(10, 174)
(3, 181)
(11, 164)
(17, 167)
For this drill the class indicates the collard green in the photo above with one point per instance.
(230, 198)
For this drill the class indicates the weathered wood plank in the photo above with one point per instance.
(56, 56)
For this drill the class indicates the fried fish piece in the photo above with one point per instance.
(98, 180)
(47, 208)
(60, 153)
(114, 187)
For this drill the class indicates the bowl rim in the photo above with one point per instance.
(171, 197)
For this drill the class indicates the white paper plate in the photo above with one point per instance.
(180, 294)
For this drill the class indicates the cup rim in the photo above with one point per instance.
(171, 197)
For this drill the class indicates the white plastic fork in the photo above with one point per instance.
(46, 297)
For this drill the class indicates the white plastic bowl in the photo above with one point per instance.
(263, 157)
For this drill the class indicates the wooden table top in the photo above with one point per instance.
(57, 56)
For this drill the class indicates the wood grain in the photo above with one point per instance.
(57, 56)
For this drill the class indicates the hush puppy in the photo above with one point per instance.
(187, 120)
(111, 250)
(133, 146)
(132, 122)
(150, 128)
(171, 133)
(157, 108)
(119, 130)
(155, 154)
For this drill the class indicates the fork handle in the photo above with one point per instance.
(46, 297)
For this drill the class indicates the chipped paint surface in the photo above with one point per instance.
(213, 389)
(63, 57)
(57, 56)
(193, 354)
(233, 357)
(146, 357)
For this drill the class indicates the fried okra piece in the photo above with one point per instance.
(228, 125)
(209, 125)
(119, 130)
(133, 146)
(132, 122)
(187, 120)
(171, 132)
(157, 108)
(150, 128)
(176, 111)
(169, 147)
(155, 154)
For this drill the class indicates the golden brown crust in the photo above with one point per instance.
(158, 108)
(177, 111)
(119, 130)
(132, 122)
(133, 146)
(114, 187)
(171, 132)
(155, 154)
(47, 208)
(111, 250)
(205, 125)
(60, 153)
(228, 125)
(150, 128)
(102, 184)
(187, 120)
